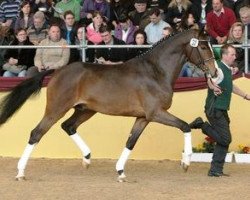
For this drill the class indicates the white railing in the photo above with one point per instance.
(84, 47)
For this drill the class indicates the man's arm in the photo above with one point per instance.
(239, 92)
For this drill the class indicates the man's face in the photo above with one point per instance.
(140, 7)
(245, 18)
(229, 57)
(38, 22)
(106, 37)
(154, 19)
(69, 20)
(217, 5)
(54, 33)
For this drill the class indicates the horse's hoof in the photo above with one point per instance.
(20, 178)
(121, 178)
(86, 163)
(184, 166)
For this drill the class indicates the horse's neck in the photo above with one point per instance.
(171, 60)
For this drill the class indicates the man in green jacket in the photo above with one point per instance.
(216, 107)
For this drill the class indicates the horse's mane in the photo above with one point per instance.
(167, 39)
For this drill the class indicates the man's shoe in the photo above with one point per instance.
(197, 123)
(217, 174)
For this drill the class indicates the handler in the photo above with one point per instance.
(216, 107)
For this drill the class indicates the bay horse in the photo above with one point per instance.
(141, 87)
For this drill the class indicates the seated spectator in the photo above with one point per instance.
(89, 6)
(160, 4)
(188, 22)
(125, 29)
(93, 33)
(54, 58)
(25, 19)
(167, 31)
(89, 53)
(110, 55)
(219, 21)
(39, 30)
(68, 32)
(140, 38)
(19, 60)
(155, 27)
(236, 36)
(62, 6)
(9, 11)
(45, 6)
(117, 9)
(140, 15)
(175, 12)
(235, 5)
(245, 19)
(200, 9)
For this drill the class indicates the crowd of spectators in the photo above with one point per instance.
(110, 22)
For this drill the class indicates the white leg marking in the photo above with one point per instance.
(123, 159)
(24, 159)
(82, 146)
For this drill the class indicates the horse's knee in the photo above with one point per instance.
(69, 129)
(35, 137)
(185, 128)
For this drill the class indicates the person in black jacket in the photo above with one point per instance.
(110, 55)
(18, 60)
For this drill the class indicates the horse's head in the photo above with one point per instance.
(200, 53)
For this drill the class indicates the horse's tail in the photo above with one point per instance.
(18, 96)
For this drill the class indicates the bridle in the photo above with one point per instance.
(201, 62)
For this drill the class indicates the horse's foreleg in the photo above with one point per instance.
(135, 133)
(166, 118)
(70, 126)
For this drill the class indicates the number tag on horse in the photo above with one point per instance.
(194, 42)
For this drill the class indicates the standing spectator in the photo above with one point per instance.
(155, 27)
(68, 31)
(110, 55)
(46, 59)
(65, 5)
(200, 9)
(89, 6)
(140, 15)
(216, 109)
(125, 29)
(219, 22)
(25, 19)
(93, 34)
(160, 4)
(175, 12)
(19, 60)
(39, 30)
(140, 38)
(9, 11)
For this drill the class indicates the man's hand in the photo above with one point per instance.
(213, 86)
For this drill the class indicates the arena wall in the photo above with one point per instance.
(107, 135)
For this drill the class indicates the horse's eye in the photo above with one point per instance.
(203, 47)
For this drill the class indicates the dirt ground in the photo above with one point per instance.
(66, 179)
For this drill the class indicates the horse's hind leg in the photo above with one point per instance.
(35, 136)
(70, 126)
(135, 133)
(166, 118)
